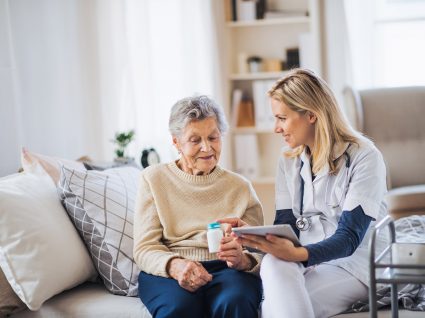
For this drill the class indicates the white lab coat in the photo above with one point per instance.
(366, 187)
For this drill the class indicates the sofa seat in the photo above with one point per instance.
(87, 301)
(93, 300)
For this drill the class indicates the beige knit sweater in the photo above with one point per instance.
(173, 210)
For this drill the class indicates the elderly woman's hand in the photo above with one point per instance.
(231, 252)
(190, 274)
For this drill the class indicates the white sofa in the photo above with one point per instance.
(92, 299)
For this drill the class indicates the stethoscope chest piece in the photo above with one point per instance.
(303, 224)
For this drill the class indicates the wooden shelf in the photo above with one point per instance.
(257, 76)
(251, 130)
(255, 151)
(266, 22)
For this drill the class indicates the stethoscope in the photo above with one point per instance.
(303, 223)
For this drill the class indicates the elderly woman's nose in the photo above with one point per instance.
(205, 145)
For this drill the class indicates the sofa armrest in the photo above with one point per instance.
(405, 201)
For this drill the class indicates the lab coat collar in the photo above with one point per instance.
(306, 169)
(338, 151)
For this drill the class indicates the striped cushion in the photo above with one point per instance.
(101, 206)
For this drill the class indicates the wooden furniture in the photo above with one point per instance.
(295, 24)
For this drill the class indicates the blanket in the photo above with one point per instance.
(411, 296)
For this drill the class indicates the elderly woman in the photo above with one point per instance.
(176, 202)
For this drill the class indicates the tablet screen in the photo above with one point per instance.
(282, 230)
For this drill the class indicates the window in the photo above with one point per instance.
(399, 52)
(386, 42)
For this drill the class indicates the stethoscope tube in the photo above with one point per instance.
(304, 223)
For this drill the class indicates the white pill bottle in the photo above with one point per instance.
(214, 235)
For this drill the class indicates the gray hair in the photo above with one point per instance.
(195, 108)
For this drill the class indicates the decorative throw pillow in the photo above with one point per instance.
(41, 253)
(101, 205)
(50, 164)
(9, 302)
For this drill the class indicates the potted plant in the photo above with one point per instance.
(122, 140)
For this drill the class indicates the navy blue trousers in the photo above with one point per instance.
(231, 293)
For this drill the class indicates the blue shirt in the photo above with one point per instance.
(352, 227)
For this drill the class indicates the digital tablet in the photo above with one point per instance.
(282, 230)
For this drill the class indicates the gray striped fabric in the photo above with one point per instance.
(101, 206)
(410, 296)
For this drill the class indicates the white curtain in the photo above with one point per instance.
(359, 15)
(77, 71)
(159, 52)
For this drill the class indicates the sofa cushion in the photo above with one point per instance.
(41, 254)
(50, 164)
(101, 206)
(93, 300)
(87, 301)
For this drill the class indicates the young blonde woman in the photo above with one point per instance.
(330, 188)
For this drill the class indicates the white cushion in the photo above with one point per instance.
(101, 205)
(41, 253)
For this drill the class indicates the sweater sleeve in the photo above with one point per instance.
(254, 216)
(150, 254)
(352, 227)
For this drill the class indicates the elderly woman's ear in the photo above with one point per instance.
(176, 144)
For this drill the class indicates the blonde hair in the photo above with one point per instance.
(303, 91)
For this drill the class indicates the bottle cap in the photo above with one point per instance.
(214, 225)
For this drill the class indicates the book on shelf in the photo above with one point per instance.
(246, 155)
(236, 100)
(228, 10)
(264, 119)
(242, 110)
(292, 58)
(245, 114)
(234, 10)
(261, 8)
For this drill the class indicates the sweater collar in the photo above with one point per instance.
(218, 171)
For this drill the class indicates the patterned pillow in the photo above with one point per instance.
(101, 206)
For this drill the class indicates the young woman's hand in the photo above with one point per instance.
(231, 252)
(190, 274)
(277, 246)
(229, 223)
